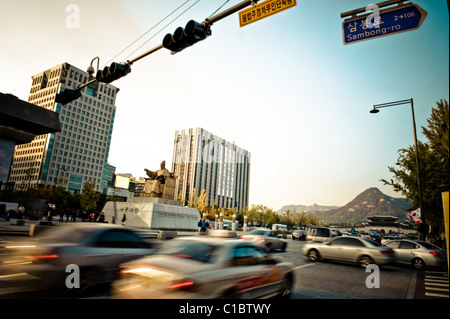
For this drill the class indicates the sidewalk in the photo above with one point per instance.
(6, 229)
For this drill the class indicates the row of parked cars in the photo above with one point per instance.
(325, 243)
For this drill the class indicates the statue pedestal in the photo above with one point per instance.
(152, 213)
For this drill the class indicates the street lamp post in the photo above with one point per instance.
(376, 108)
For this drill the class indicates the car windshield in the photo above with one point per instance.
(193, 250)
(371, 242)
(258, 232)
(67, 234)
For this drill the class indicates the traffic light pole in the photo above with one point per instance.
(209, 21)
(66, 98)
(230, 11)
(143, 55)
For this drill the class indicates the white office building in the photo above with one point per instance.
(202, 160)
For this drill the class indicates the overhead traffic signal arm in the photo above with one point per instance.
(107, 75)
(183, 38)
(68, 95)
(113, 72)
(195, 31)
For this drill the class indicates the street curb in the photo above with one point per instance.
(412, 285)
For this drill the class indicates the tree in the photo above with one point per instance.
(89, 197)
(434, 168)
(202, 202)
(262, 216)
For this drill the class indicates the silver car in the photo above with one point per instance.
(205, 267)
(351, 249)
(268, 238)
(419, 254)
(96, 248)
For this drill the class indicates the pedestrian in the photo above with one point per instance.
(74, 216)
(199, 224)
(204, 226)
(101, 218)
(21, 211)
(91, 216)
(124, 219)
(61, 217)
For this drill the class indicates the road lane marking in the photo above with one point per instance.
(298, 267)
(437, 289)
(13, 275)
(429, 294)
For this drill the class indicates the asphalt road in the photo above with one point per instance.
(313, 280)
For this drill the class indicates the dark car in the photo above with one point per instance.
(299, 234)
(374, 236)
(97, 249)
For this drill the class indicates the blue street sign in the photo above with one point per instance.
(387, 22)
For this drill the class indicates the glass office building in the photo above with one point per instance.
(77, 154)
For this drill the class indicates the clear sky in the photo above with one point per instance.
(285, 88)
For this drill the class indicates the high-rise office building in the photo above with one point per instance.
(79, 152)
(202, 160)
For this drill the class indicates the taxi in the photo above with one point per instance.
(203, 267)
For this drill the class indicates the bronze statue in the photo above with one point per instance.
(156, 179)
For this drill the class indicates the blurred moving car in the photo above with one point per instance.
(299, 234)
(269, 238)
(351, 249)
(418, 254)
(205, 267)
(321, 234)
(96, 248)
(386, 239)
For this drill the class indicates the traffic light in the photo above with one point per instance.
(183, 38)
(67, 96)
(113, 72)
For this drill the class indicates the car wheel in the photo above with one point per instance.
(313, 255)
(418, 264)
(365, 261)
(286, 287)
(269, 247)
(231, 294)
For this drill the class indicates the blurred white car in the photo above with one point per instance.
(269, 238)
(96, 248)
(205, 267)
(351, 249)
(418, 254)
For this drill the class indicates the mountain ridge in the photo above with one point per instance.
(371, 202)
